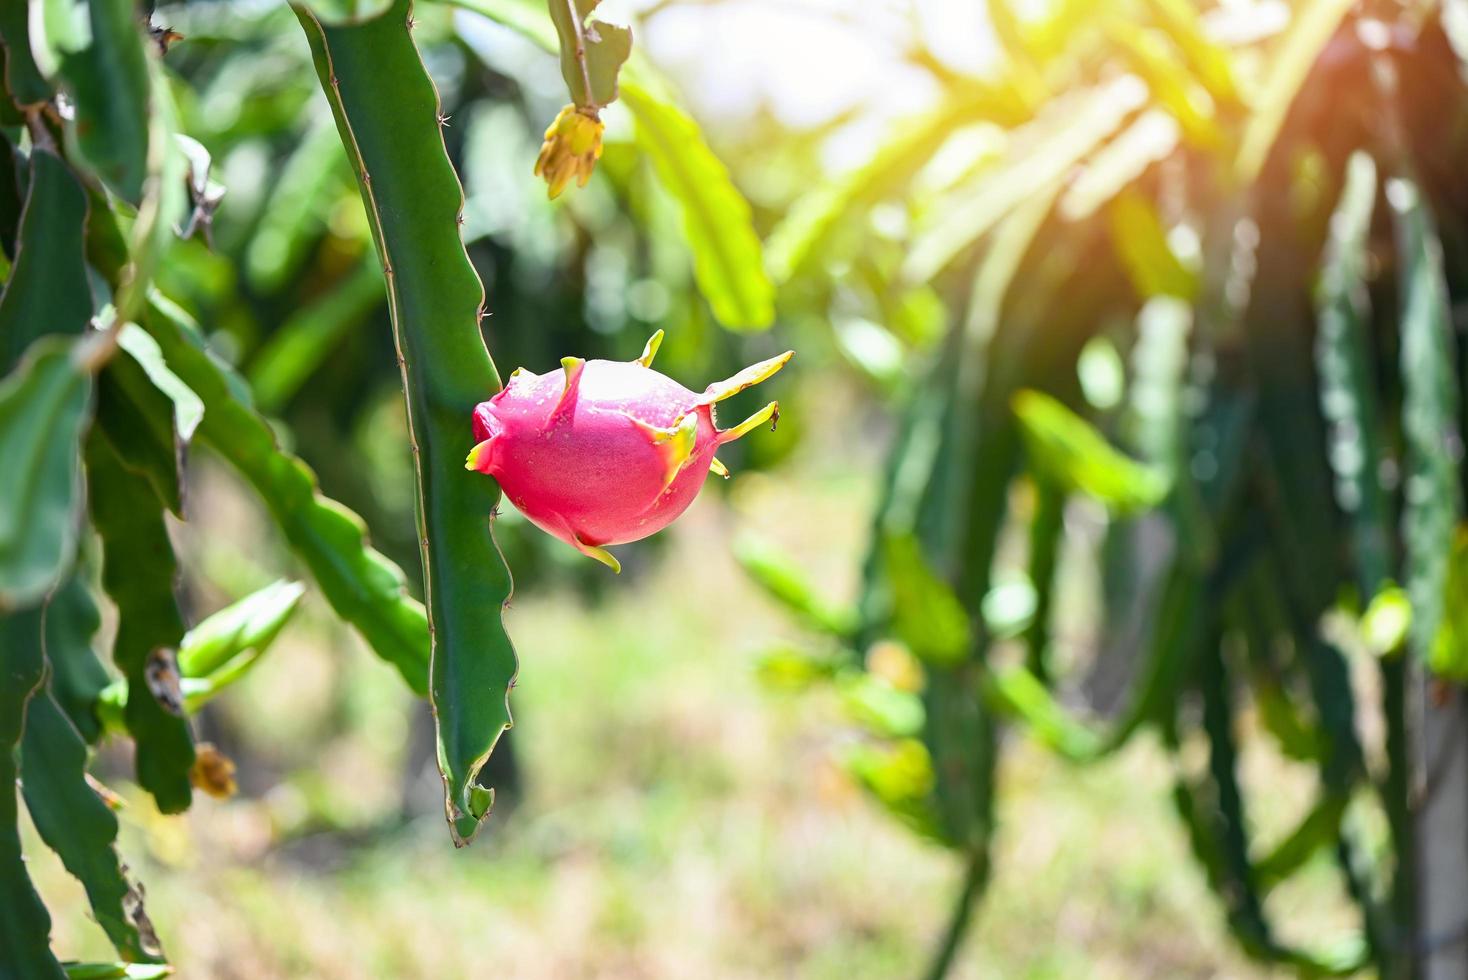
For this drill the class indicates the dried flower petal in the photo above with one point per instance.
(213, 771)
(571, 148)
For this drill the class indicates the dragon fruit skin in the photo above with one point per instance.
(606, 452)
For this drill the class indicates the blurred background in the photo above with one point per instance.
(736, 759)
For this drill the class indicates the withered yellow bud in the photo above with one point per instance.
(213, 771)
(571, 148)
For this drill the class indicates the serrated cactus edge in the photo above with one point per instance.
(390, 120)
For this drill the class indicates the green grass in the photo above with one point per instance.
(677, 820)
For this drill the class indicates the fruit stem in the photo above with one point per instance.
(581, 53)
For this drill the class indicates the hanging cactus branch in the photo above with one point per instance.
(592, 54)
(389, 117)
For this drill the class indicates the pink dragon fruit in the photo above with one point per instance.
(606, 452)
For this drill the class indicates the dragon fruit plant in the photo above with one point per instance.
(607, 452)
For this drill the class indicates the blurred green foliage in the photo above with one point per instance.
(1171, 294)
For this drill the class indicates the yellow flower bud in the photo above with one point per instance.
(571, 148)
(213, 771)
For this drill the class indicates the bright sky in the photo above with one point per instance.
(808, 60)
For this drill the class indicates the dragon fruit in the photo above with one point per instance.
(607, 452)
